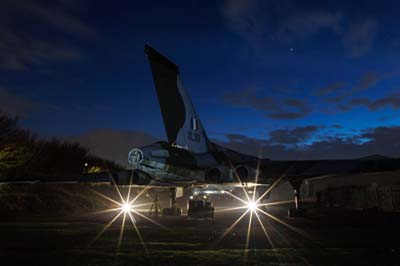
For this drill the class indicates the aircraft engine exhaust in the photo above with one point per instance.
(242, 172)
(217, 175)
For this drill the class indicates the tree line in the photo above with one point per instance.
(23, 154)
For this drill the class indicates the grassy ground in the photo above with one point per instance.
(43, 237)
(189, 243)
(60, 243)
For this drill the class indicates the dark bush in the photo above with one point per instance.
(23, 155)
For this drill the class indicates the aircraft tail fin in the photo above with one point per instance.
(181, 121)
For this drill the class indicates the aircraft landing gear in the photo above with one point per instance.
(172, 210)
(156, 207)
(297, 211)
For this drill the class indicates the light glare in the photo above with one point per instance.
(252, 206)
(126, 207)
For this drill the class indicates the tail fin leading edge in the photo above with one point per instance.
(181, 121)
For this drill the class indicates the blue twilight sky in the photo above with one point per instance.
(297, 76)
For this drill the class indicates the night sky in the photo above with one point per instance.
(316, 79)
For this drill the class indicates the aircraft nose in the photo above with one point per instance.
(135, 156)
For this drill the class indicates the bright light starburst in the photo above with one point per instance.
(125, 207)
(253, 206)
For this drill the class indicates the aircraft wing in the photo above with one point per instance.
(296, 171)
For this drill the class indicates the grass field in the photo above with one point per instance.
(189, 243)
(37, 238)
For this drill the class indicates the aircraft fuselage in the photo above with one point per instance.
(164, 164)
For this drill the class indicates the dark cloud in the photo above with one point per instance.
(113, 144)
(61, 20)
(304, 24)
(337, 126)
(384, 136)
(331, 88)
(392, 101)
(292, 136)
(338, 92)
(241, 17)
(260, 21)
(17, 105)
(360, 36)
(380, 140)
(244, 144)
(236, 137)
(16, 53)
(42, 37)
(294, 109)
(272, 107)
(335, 99)
(369, 79)
(248, 98)
(289, 115)
(354, 102)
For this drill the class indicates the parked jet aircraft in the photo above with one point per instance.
(189, 157)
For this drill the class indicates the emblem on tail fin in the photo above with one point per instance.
(181, 121)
